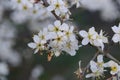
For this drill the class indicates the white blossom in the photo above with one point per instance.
(59, 7)
(37, 44)
(93, 38)
(115, 68)
(116, 36)
(89, 36)
(97, 68)
(56, 38)
(70, 47)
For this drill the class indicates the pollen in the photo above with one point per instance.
(114, 68)
(57, 5)
(25, 7)
(18, 1)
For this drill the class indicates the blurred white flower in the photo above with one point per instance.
(7, 33)
(1, 12)
(4, 70)
(19, 17)
(59, 7)
(107, 8)
(37, 44)
(25, 10)
(23, 5)
(36, 72)
(116, 37)
(58, 77)
(36, 26)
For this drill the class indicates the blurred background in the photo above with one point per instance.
(17, 61)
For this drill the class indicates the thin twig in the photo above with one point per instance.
(88, 65)
(109, 55)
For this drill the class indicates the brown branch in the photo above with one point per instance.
(109, 56)
(45, 3)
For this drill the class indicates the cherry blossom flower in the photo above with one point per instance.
(88, 36)
(96, 72)
(93, 38)
(97, 68)
(59, 7)
(115, 68)
(116, 36)
(37, 44)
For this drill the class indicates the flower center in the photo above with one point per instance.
(42, 37)
(18, 1)
(34, 11)
(100, 64)
(114, 68)
(56, 29)
(57, 5)
(25, 7)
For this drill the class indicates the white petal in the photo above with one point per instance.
(105, 39)
(83, 33)
(93, 63)
(57, 23)
(50, 27)
(100, 58)
(57, 12)
(71, 28)
(89, 75)
(57, 53)
(96, 43)
(85, 41)
(32, 45)
(72, 53)
(36, 39)
(36, 50)
(64, 27)
(113, 73)
(116, 38)
(115, 29)
(72, 37)
(77, 5)
(50, 8)
(92, 30)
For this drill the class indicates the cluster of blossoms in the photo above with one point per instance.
(37, 9)
(56, 38)
(28, 10)
(98, 68)
(60, 37)
(59, 7)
